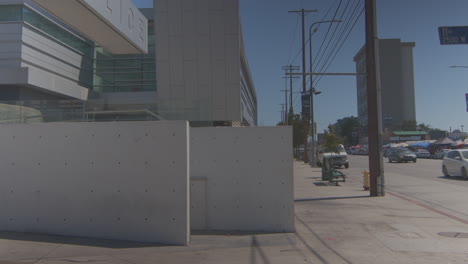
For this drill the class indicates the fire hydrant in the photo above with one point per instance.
(366, 179)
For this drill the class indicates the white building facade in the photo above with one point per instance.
(194, 69)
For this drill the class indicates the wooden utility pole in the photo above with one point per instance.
(290, 68)
(374, 110)
(305, 116)
(286, 122)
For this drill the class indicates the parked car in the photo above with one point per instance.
(385, 152)
(441, 154)
(422, 153)
(455, 163)
(339, 158)
(400, 155)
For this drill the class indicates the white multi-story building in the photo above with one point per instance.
(81, 59)
(396, 81)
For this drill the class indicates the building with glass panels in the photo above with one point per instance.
(197, 75)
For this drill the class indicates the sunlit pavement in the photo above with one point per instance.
(334, 224)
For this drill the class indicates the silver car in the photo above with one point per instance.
(455, 163)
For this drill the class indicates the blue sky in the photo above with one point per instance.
(272, 39)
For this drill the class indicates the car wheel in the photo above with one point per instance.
(346, 165)
(464, 174)
(389, 160)
(415, 160)
(445, 171)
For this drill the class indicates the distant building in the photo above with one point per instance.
(397, 85)
(403, 136)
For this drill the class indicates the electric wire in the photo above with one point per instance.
(329, 27)
(342, 43)
(345, 26)
(337, 25)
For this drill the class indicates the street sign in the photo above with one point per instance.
(305, 98)
(453, 35)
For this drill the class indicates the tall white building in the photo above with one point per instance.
(396, 81)
(182, 60)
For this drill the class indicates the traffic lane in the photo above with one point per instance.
(424, 168)
(423, 182)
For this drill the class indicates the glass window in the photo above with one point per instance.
(10, 13)
(127, 72)
(465, 154)
(53, 30)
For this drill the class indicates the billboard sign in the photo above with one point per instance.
(453, 35)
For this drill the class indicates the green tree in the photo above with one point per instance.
(424, 127)
(408, 125)
(345, 128)
(296, 121)
(331, 141)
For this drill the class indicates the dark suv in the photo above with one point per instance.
(401, 154)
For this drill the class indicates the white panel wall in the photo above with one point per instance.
(198, 47)
(10, 44)
(125, 180)
(242, 179)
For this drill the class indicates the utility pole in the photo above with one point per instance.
(282, 113)
(304, 82)
(290, 68)
(285, 106)
(374, 109)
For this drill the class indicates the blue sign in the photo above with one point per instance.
(305, 98)
(453, 35)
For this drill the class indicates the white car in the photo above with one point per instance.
(422, 153)
(455, 163)
(339, 157)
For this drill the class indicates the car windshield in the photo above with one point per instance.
(465, 154)
(402, 150)
(340, 148)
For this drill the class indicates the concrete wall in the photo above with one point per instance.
(125, 180)
(242, 179)
(198, 59)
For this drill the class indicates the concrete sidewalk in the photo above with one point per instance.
(334, 224)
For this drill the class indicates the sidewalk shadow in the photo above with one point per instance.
(331, 198)
(453, 178)
(77, 241)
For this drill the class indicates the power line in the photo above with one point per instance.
(344, 27)
(293, 40)
(329, 27)
(333, 34)
(342, 43)
(318, 26)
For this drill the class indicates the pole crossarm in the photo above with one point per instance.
(303, 10)
(328, 73)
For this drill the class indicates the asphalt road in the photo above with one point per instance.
(423, 182)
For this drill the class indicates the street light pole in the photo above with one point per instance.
(313, 161)
(304, 115)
